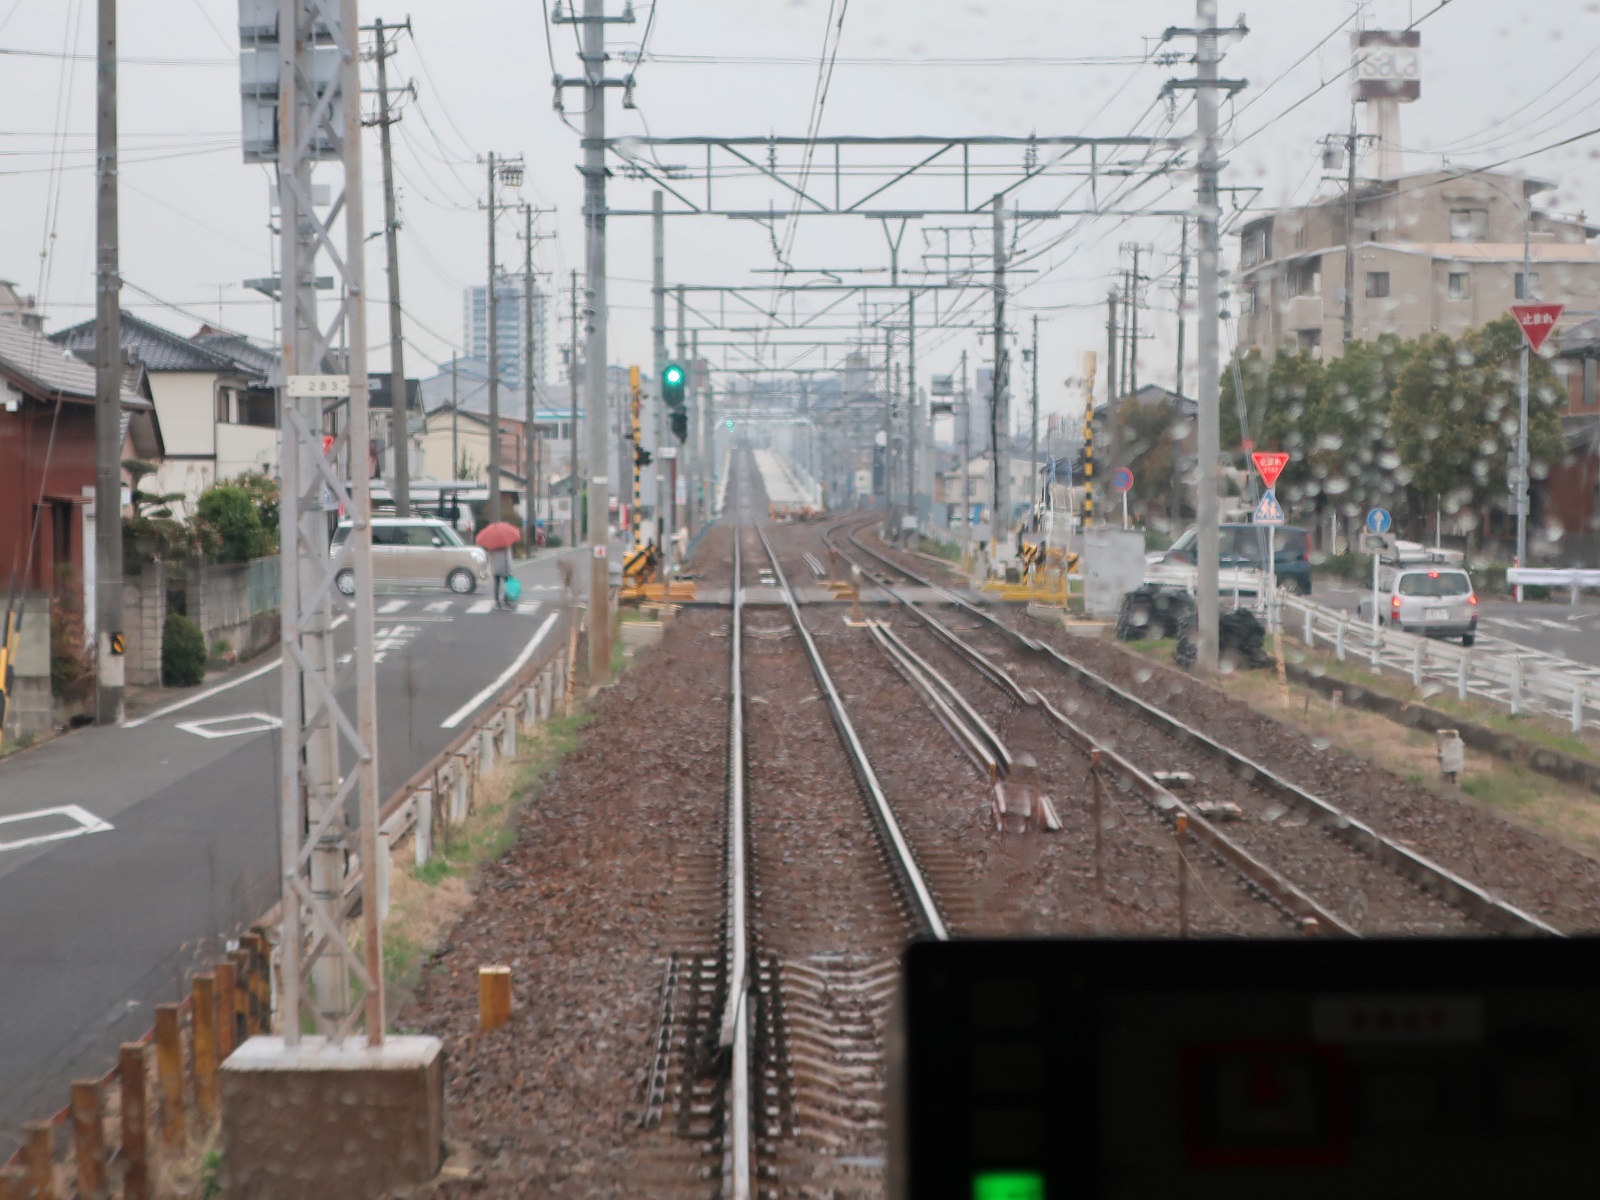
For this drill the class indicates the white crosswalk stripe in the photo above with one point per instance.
(438, 606)
(393, 606)
(527, 608)
(481, 606)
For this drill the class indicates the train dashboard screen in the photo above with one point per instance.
(1068, 1069)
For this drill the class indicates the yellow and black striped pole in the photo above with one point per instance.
(638, 445)
(1090, 361)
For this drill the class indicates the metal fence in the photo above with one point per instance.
(265, 590)
(1516, 679)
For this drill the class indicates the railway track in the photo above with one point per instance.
(1316, 862)
(822, 893)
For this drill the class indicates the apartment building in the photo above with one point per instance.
(1435, 252)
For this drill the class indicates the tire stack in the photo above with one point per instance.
(1241, 639)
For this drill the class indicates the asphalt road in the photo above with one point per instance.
(1549, 626)
(172, 830)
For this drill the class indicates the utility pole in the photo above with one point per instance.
(492, 366)
(911, 404)
(533, 468)
(999, 402)
(317, 842)
(109, 662)
(676, 467)
(1349, 327)
(658, 359)
(1133, 355)
(1183, 294)
(1209, 433)
(1033, 462)
(966, 459)
(398, 411)
(455, 421)
(572, 425)
(1112, 346)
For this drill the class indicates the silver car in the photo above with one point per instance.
(1432, 601)
(417, 550)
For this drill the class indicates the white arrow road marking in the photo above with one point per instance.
(81, 820)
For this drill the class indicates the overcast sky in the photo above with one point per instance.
(1499, 79)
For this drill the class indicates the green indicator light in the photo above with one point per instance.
(1008, 1185)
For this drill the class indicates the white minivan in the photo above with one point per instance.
(417, 550)
(1433, 601)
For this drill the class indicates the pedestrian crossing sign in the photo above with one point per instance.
(1268, 510)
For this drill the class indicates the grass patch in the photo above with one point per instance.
(424, 902)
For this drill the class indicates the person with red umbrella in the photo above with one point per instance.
(497, 538)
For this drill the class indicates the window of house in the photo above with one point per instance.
(1257, 244)
(1248, 299)
(1305, 279)
(1377, 284)
(1460, 285)
(1528, 286)
(1469, 224)
(1308, 341)
(224, 404)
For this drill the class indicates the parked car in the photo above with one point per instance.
(1432, 601)
(1244, 547)
(417, 550)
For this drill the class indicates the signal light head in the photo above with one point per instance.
(672, 375)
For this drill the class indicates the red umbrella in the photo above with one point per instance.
(498, 535)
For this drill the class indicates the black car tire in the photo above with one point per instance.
(461, 582)
(1468, 638)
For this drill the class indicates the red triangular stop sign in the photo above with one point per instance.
(1536, 321)
(1271, 464)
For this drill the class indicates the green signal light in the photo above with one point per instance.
(673, 375)
(729, 422)
(1008, 1185)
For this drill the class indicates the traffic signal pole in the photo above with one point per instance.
(658, 332)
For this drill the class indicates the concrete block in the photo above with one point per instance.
(350, 1121)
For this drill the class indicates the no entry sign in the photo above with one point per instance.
(1271, 464)
(1536, 321)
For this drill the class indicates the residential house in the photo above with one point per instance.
(1435, 252)
(215, 405)
(47, 458)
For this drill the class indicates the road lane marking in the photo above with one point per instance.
(527, 608)
(481, 606)
(437, 606)
(393, 606)
(211, 727)
(466, 710)
(83, 822)
(220, 688)
(205, 695)
(1559, 626)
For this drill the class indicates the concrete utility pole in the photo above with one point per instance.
(1000, 401)
(658, 360)
(1112, 344)
(701, 420)
(966, 459)
(1349, 325)
(492, 365)
(911, 404)
(1183, 294)
(677, 468)
(1522, 394)
(455, 421)
(596, 398)
(1209, 433)
(1133, 355)
(573, 359)
(109, 662)
(532, 449)
(1033, 462)
(398, 411)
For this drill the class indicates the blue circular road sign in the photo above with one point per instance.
(1122, 479)
(1379, 521)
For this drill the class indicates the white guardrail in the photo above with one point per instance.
(1571, 578)
(1519, 681)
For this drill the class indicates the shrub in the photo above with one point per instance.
(232, 514)
(183, 652)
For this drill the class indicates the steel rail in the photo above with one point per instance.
(735, 1032)
(1420, 870)
(900, 855)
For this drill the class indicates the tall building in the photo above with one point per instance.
(515, 357)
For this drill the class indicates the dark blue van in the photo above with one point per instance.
(1246, 546)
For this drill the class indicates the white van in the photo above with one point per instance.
(417, 550)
